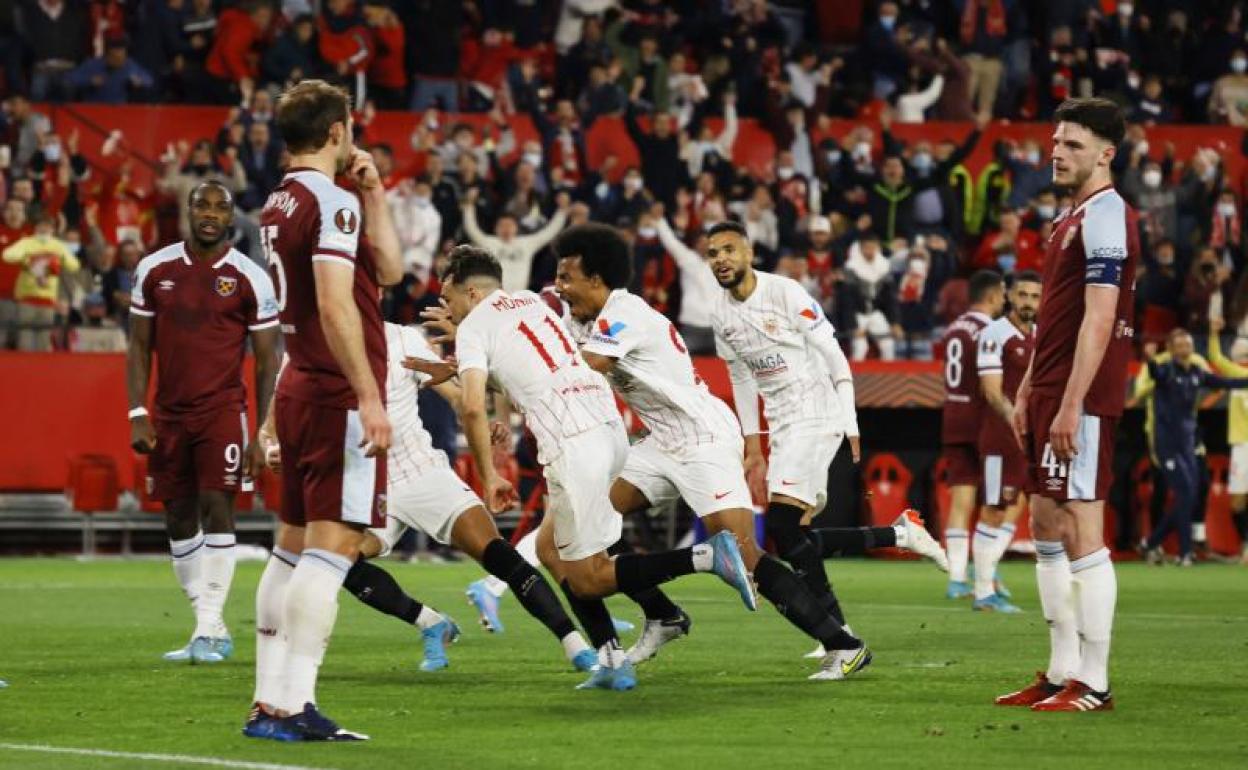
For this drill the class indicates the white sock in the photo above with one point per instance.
(495, 586)
(574, 644)
(703, 558)
(957, 545)
(308, 616)
(983, 550)
(270, 640)
(902, 535)
(428, 618)
(1095, 596)
(186, 556)
(1057, 602)
(888, 348)
(217, 571)
(1002, 544)
(527, 548)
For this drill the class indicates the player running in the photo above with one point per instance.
(1004, 353)
(195, 304)
(960, 420)
(694, 449)
(1069, 403)
(330, 409)
(778, 342)
(522, 344)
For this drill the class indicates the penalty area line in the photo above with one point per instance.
(182, 759)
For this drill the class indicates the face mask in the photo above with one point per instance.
(647, 232)
(1133, 82)
(1033, 157)
(862, 150)
(52, 152)
(74, 248)
(1239, 65)
(1152, 178)
(1007, 262)
(1142, 147)
(421, 200)
(534, 159)
(1226, 209)
(1208, 174)
(632, 183)
(918, 266)
(1125, 10)
(709, 148)
(888, 22)
(833, 156)
(1045, 211)
(922, 162)
(785, 172)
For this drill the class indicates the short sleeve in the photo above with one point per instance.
(139, 295)
(988, 358)
(1104, 233)
(615, 333)
(470, 349)
(339, 233)
(264, 310)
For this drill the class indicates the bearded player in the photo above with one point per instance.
(195, 304)
(1005, 347)
(330, 250)
(1069, 403)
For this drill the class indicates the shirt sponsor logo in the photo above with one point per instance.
(608, 329)
(763, 366)
(811, 313)
(347, 221)
(226, 285)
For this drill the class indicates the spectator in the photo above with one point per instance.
(659, 149)
(1226, 232)
(13, 227)
(1155, 199)
(912, 105)
(433, 33)
(642, 69)
(25, 127)
(1149, 105)
(883, 52)
(654, 271)
(954, 103)
(1029, 174)
(345, 44)
(914, 305)
(179, 180)
(873, 300)
(796, 197)
(418, 224)
(261, 159)
(119, 280)
(55, 33)
(43, 258)
(602, 94)
(983, 30)
(1010, 249)
(1230, 93)
(514, 251)
(113, 78)
(707, 151)
(295, 55)
(1205, 290)
(387, 74)
(1160, 290)
(698, 290)
(577, 62)
(563, 141)
(234, 61)
(624, 201)
(759, 217)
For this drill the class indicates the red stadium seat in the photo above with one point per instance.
(93, 487)
(1219, 529)
(888, 480)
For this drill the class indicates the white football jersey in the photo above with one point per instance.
(655, 376)
(529, 352)
(412, 452)
(766, 333)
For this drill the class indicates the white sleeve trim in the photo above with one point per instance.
(140, 311)
(264, 325)
(332, 258)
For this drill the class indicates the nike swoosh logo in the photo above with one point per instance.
(788, 483)
(849, 666)
(722, 495)
(562, 545)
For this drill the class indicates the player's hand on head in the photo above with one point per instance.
(438, 371)
(376, 427)
(363, 170)
(142, 435)
(438, 319)
(500, 434)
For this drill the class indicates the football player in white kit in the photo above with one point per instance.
(778, 343)
(694, 448)
(528, 351)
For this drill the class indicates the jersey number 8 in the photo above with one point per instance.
(953, 364)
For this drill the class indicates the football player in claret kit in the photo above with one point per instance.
(779, 344)
(195, 304)
(1004, 354)
(961, 418)
(330, 251)
(1068, 406)
(519, 342)
(694, 448)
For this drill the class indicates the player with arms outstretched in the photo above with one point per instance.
(330, 413)
(1068, 406)
(778, 343)
(1004, 354)
(694, 448)
(195, 304)
(960, 420)
(525, 347)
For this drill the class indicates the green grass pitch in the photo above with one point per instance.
(80, 646)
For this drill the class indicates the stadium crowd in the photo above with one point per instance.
(882, 240)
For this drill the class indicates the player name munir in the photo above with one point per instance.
(511, 303)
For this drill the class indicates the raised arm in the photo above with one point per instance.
(684, 257)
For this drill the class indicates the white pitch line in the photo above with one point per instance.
(178, 758)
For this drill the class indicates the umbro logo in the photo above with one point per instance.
(165, 284)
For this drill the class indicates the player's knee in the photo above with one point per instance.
(217, 511)
(591, 584)
(181, 518)
(784, 526)
(992, 516)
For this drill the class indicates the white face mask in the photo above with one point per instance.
(421, 200)
(862, 150)
(785, 172)
(1152, 178)
(1045, 211)
(632, 183)
(1142, 147)
(918, 266)
(922, 161)
(534, 159)
(833, 156)
(1238, 65)
(1125, 10)
(647, 232)
(1226, 209)
(1033, 157)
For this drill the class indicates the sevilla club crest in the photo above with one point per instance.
(226, 286)
(347, 221)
